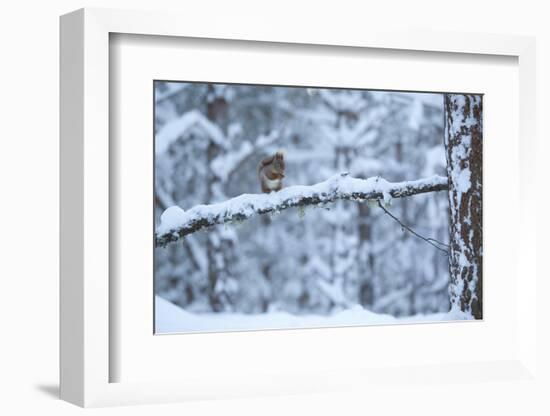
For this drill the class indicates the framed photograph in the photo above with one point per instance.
(276, 223)
(290, 218)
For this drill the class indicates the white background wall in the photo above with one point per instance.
(29, 56)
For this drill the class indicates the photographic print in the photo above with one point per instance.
(280, 207)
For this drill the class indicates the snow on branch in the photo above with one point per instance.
(177, 223)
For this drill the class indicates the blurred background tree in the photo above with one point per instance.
(208, 140)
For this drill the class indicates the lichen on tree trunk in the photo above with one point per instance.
(463, 143)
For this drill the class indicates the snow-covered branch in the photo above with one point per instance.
(177, 223)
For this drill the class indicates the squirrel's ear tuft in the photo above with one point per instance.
(280, 153)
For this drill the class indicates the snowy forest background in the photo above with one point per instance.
(317, 261)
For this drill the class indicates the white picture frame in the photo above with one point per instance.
(86, 353)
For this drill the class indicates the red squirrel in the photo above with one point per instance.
(271, 171)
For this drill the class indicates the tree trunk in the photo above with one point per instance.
(217, 265)
(463, 143)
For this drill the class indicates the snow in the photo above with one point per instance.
(462, 181)
(435, 160)
(173, 130)
(416, 114)
(342, 101)
(333, 290)
(224, 164)
(247, 205)
(227, 162)
(171, 89)
(197, 253)
(316, 266)
(172, 215)
(265, 140)
(394, 296)
(170, 318)
(433, 100)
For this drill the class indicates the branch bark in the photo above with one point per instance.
(176, 223)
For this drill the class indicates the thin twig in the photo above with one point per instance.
(432, 241)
